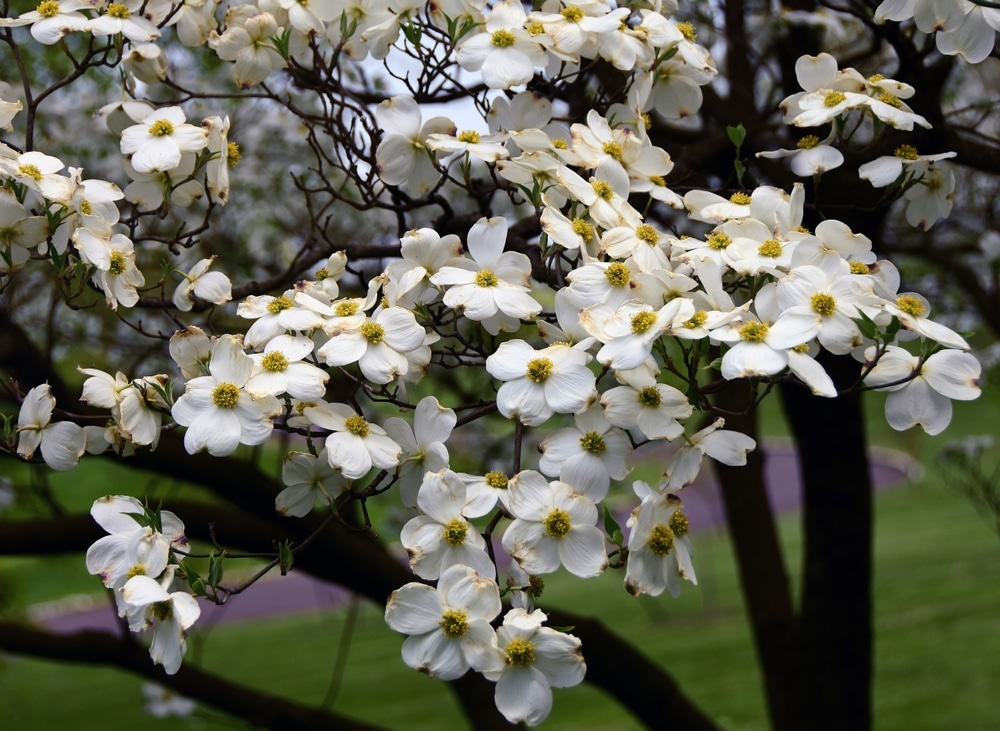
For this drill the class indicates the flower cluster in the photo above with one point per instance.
(582, 319)
(136, 561)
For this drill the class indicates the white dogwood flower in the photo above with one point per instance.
(658, 545)
(62, 443)
(491, 287)
(356, 445)
(537, 660)
(156, 143)
(921, 390)
(218, 410)
(553, 525)
(448, 626)
(170, 614)
(423, 444)
(538, 383)
(442, 536)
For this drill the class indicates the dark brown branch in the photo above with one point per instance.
(258, 707)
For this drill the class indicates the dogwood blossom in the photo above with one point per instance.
(156, 143)
(539, 383)
(553, 525)
(658, 544)
(537, 660)
(218, 410)
(492, 287)
(921, 389)
(170, 614)
(449, 626)
(356, 445)
(62, 443)
(442, 536)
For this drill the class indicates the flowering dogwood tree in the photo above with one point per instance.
(378, 236)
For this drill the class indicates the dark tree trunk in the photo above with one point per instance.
(835, 623)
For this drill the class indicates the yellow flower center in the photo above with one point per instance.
(161, 128)
(29, 171)
(808, 142)
(301, 406)
(275, 362)
(117, 10)
(661, 540)
(85, 208)
(226, 395)
(907, 152)
(373, 332)
(603, 189)
(560, 144)
(583, 229)
(617, 274)
(520, 653)
(535, 29)
(486, 278)
(770, 248)
(891, 99)
(614, 150)
(859, 267)
(357, 425)
(647, 234)
(469, 136)
(48, 9)
(454, 623)
(698, 319)
(875, 78)
(687, 30)
(496, 480)
(910, 305)
(233, 154)
(823, 304)
(754, 332)
(718, 240)
(572, 13)
(679, 523)
(278, 304)
(454, 532)
(833, 98)
(536, 585)
(740, 198)
(649, 396)
(557, 523)
(136, 570)
(503, 38)
(346, 308)
(642, 321)
(118, 263)
(593, 442)
(539, 369)
(162, 611)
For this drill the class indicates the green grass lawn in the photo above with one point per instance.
(937, 583)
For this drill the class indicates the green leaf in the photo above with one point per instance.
(867, 326)
(740, 170)
(285, 557)
(413, 34)
(737, 135)
(611, 527)
(214, 570)
(891, 329)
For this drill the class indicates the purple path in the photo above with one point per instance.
(298, 592)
